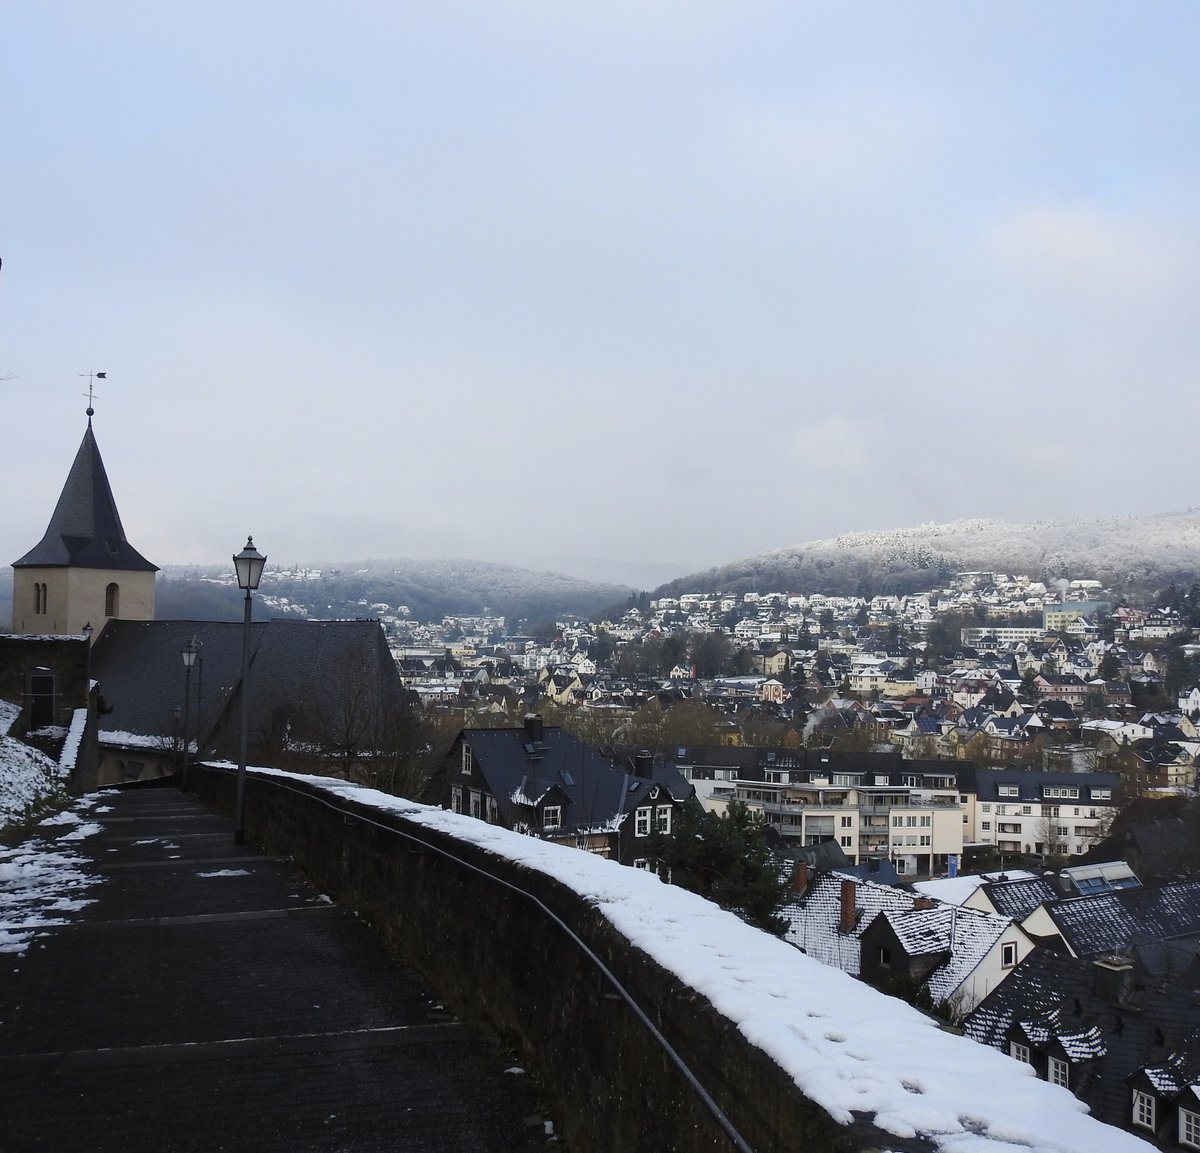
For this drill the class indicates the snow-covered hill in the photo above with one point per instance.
(1124, 553)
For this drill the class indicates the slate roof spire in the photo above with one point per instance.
(85, 530)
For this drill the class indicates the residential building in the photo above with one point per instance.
(1048, 814)
(540, 780)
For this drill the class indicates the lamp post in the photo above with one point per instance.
(190, 651)
(248, 564)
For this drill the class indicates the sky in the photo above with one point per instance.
(583, 285)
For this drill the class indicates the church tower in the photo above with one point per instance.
(84, 571)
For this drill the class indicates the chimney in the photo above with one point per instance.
(800, 878)
(1111, 976)
(849, 917)
(643, 764)
(922, 903)
(533, 727)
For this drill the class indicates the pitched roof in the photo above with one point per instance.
(1104, 922)
(1018, 897)
(521, 772)
(1141, 1023)
(299, 671)
(85, 530)
(966, 934)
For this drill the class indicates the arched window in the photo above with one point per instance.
(112, 600)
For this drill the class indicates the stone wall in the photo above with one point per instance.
(67, 657)
(476, 925)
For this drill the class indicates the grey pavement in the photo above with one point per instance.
(239, 1010)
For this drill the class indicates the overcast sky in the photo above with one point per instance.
(641, 280)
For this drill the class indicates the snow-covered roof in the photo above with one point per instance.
(956, 890)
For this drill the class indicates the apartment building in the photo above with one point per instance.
(1027, 812)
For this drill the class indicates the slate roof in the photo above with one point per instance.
(1144, 1024)
(298, 669)
(813, 921)
(1018, 898)
(1108, 922)
(521, 772)
(85, 530)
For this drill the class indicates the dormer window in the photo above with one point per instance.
(1189, 1129)
(552, 817)
(1144, 1110)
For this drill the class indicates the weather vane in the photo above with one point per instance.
(92, 377)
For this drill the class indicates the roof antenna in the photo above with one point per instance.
(92, 377)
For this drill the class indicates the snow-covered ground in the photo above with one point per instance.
(27, 776)
(849, 1048)
(45, 878)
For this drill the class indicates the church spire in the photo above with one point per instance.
(85, 530)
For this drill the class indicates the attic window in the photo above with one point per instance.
(1143, 1110)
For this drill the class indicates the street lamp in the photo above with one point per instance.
(190, 652)
(248, 564)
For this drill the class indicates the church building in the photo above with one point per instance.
(83, 572)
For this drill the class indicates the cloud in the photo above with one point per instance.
(1081, 248)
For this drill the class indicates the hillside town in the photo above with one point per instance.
(980, 800)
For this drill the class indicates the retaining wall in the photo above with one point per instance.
(495, 957)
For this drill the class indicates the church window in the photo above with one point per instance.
(112, 600)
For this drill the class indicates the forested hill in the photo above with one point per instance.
(430, 589)
(1123, 553)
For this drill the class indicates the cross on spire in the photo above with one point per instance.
(92, 377)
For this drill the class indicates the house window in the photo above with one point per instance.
(1019, 1052)
(987, 808)
(901, 865)
(552, 817)
(1057, 1072)
(925, 839)
(641, 863)
(663, 813)
(885, 957)
(847, 842)
(641, 825)
(1026, 810)
(456, 798)
(1007, 791)
(985, 825)
(926, 822)
(1143, 1110)
(476, 805)
(493, 811)
(1101, 794)
(1008, 954)
(112, 600)
(847, 822)
(1189, 1129)
(466, 757)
